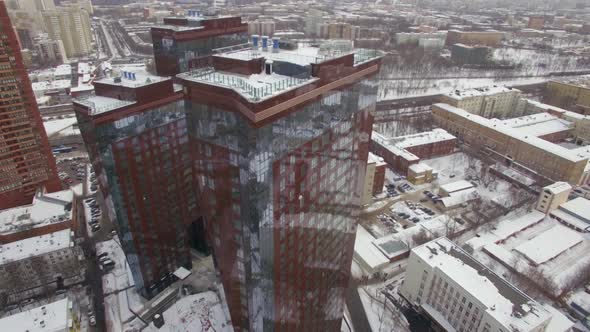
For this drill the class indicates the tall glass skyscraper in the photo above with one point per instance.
(26, 162)
(281, 140)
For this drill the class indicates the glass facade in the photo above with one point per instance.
(178, 56)
(145, 169)
(281, 204)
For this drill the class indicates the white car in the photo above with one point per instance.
(92, 321)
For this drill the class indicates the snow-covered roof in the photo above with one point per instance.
(35, 246)
(84, 68)
(52, 317)
(538, 124)
(500, 298)
(456, 186)
(549, 244)
(63, 70)
(419, 168)
(366, 251)
(459, 197)
(558, 187)
(51, 85)
(398, 145)
(478, 92)
(579, 207)
(45, 209)
(101, 104)
(534, 141)
(375, 159)
(54, 126)
(559, 322)
(132, 77)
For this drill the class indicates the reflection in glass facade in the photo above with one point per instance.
(281, 204)
(145, 169)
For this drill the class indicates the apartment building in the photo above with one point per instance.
(26, 162)
(572, 94)
(418, 37)
(471, 55)
(70, 24)
(489, 102)
(36, 264)
(553, 196)
(527, 152)
(51, 50)
(458, 293)
(374, 178)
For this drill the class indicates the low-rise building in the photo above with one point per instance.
(574, 214)
(403, 151)
(539, 157)
(418, 37)
(453, 289)
(53, 317)
(420, 173)
(490, 38)
(495, 101)
(48, 213)
(463, 54)
(34, 265)
(553, 196)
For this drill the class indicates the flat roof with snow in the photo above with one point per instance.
(500, 298)
(539, 124)
(558, 187)
(516, 134)
(368, 254)
(52, 317)
(549, 244)
(35, 246)
(45, 209)
(478, 92)
(456, 186)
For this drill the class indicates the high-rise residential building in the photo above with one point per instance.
(26, 162)
(70, 24)
(135, 131)
(51, 50)
(184, 42)
(458, 293)
(280, 139)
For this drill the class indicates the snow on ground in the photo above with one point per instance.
(119, 278)
(381, 313)
(417, 88)
(459, 165)
(198, 312)
(53, 127)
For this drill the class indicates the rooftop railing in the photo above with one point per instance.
(241, 85)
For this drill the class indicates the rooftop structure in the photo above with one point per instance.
(46, 209)
(184, 42)
(558, 187)
(439, 271)
(34, 246)
(455, 186)
(52, 317)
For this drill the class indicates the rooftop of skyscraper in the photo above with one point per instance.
(284, 69)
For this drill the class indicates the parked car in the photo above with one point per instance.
(95, 228)
(104, 254)
(92, 321)
(415, 219)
